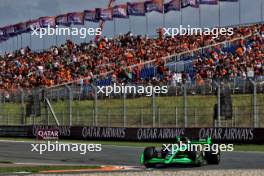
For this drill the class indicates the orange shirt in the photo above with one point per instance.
(239, 51)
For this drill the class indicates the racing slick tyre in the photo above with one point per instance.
(212, 157)
(164, 152)
(149, 153)
(194, 156)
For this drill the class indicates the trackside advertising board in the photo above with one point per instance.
(223, 135)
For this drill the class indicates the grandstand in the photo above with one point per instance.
(58, 85)
(71, 73)
(74, 62)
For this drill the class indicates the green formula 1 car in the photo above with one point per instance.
(184, 151)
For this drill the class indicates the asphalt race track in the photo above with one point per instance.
(20, 152)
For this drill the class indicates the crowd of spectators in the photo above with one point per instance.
(118, 57)
(246, 61)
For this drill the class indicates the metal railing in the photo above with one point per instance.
(184, 105)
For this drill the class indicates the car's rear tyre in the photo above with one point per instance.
(212, 157)
(149, 153)
(194, 156)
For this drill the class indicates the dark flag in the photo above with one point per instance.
(136, 9)
(90, 15)
(154, 5)
(120, 11)
(34, 24)
(76, 18)
(62, 20)
(104, 14)
(47, 21)
(173, 5)
(3, 37)
(21, 28)
(9, 31)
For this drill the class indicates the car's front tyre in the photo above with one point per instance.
(212, 157)
(149, 153)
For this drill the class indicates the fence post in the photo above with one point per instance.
(153, 109)
(33, 119)
(46, 106)
(63, 118)
(255, 106)
(57, 95)
(234, 85)
(78, 118)
(7, 120)
(141, 117)
(195, 117)
(95, 110)
(70, 104)
(159, 116)
(23, 113)
(108, 117)
(255, 116)
(44, 114)
(185, 105)
(176, 116)
(124, 109)
(219, 103)
(93, 116)
(235, 116)
(48, 121)
(244, 87)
